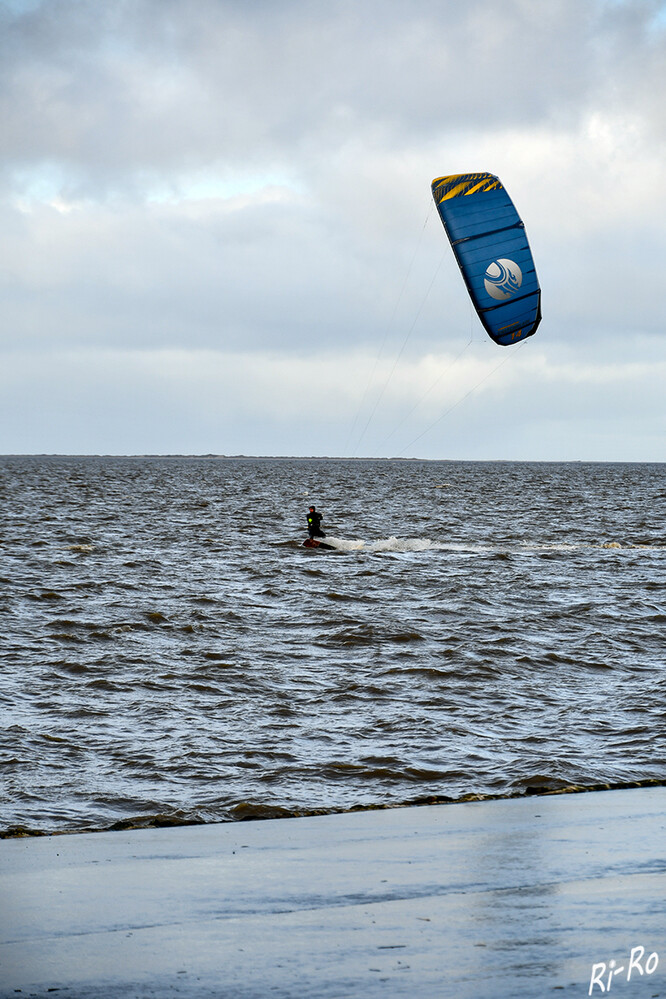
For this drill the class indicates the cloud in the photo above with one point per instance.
(250, 184)
(119, 88)
(522, 405)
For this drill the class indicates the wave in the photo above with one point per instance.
(534, 785)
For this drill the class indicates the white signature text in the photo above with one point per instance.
(604, 974)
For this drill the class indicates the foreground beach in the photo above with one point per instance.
(506, 898)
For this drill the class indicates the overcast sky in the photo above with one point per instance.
(218, 234)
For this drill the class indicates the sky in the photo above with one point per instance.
(218, 234)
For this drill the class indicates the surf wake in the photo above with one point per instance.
(395, 544)
(383, 545)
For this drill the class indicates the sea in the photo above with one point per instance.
(171, 653)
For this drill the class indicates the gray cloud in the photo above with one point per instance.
(253, 180)
(113, 89)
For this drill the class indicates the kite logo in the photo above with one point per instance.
(503, 279)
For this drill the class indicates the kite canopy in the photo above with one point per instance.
(490, 245)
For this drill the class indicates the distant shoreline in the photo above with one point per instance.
(333, 457)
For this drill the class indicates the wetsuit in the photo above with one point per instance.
(314, 524)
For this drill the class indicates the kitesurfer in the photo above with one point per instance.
(314, 524)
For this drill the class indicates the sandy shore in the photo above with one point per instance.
(506, 898)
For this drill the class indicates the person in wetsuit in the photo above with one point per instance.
(314, 524)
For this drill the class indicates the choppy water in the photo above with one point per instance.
(168, 648)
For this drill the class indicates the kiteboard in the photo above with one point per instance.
(315, 543)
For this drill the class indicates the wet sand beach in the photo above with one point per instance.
(534, 896)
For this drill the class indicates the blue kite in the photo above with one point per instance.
(490, 244)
